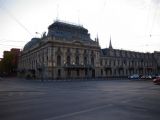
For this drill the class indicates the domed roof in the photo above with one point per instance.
(31, 43)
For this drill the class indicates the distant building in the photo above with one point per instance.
(5, 53)
(67, 51)
(9, 62)
(15, 52)
(117, 62)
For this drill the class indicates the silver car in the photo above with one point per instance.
(134, 76)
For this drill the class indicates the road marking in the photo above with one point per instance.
(79, 112)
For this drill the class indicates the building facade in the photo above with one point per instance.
(67, 51)
(123, 63)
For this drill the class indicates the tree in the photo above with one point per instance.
(6, 66)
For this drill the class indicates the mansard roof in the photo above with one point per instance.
(66, 25)
(68, 31)
(63, 31)
(107, 52)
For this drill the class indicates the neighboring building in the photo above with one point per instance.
(124, 63)
(5, 53)
(15, 52)
(157, 60)
(67, 51)
(9, 62)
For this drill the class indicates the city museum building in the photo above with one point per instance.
(68, 52)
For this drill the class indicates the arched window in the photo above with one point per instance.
(85, 61)
(58, 60)
(77, 51)
(92, 61)
(77, 60)
(68, 60)
(101, 62)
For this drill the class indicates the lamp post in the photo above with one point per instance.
(39, 34)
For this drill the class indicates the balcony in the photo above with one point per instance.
(77, 66)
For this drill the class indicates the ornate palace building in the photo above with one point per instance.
(67, 51)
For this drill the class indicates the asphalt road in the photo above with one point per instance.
(79, 100)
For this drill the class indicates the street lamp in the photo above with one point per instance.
(39, 34)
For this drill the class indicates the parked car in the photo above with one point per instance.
(157, 80)
(143, 77)
(146, 77)
(154, 76)
(134, 76)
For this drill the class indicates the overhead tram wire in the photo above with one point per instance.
(10, 45)
(19, 23)
(6, 40)
(149, 28)
(153, 21)
(147, 21)
(16, 20)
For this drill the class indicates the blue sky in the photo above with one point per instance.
(132, 24)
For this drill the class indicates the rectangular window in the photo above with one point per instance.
(78, 73)
(102, 72)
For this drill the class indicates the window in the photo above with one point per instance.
(58, 60)
(132, 63)
(101, 71)
(114, 63)
(78, 73)
(77, 51)
(124, 62)
(59, 73)
(101, 63)
(106, 63)
(109, 62)
(68, 50)
(68, 73)
(68, 60)
(85, 60)
(86, 72)
(92, 61)
(77, 60)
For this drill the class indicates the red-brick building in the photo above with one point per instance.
(9, 62)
